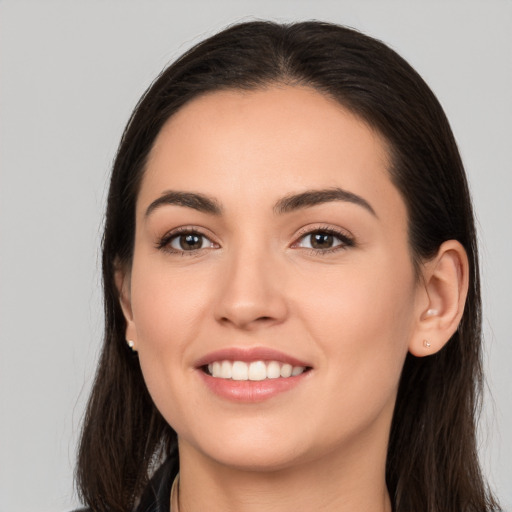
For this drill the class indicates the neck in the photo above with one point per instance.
(352, 480)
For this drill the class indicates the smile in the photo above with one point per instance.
(254, 371)
(251, 374)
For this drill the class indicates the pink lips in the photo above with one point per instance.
(250, 391)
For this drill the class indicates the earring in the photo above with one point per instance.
(131, 344)
(427, 344)
(432, 312)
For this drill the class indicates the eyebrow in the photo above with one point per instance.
(198, 202)
(287, 204)
(316, 197)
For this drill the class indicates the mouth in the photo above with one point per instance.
(251, 374)
(252, 371)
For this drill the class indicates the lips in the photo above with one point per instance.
(251, 374)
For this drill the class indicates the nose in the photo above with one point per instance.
(253, 288)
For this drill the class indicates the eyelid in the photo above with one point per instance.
(344, 236)
(163, 243)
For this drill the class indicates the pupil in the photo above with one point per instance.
(190, 242)
(321, 241)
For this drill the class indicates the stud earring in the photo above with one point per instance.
(432, 312)
(427, 344)
(131, 344)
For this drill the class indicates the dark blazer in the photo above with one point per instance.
(156, 496)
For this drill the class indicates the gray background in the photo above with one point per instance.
(71, 71)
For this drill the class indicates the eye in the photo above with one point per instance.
(189, 242)
(324, 240)
(184, 241)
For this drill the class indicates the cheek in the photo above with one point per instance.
(361, 297)
(362, 325)
(167, 310)
(363, 319)
(166, 306)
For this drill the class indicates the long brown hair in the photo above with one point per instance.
(432, 462)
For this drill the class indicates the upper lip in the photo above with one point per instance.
(249, 354)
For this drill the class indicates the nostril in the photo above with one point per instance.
(245, 321)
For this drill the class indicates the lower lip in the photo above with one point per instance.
(250, 390)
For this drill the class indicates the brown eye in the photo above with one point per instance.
(190, 242)
(321, 240)
(324, 241)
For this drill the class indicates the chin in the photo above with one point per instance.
(249, 450)
(256, 459)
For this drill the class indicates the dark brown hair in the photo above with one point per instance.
(432, 462)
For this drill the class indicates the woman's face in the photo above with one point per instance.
(270, 239)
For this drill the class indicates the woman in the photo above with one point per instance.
(291, 288)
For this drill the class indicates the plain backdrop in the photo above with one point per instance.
(71, 72)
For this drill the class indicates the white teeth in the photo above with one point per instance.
(297, 370)
(286, 370)
(273, 370)
(254, 371)
(225, 370)
(257, 370)
(239, 371)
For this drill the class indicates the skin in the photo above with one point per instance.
(352, 313)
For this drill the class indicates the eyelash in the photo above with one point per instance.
(346, 241)
(164, 243)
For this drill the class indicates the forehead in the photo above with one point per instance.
(259, 145)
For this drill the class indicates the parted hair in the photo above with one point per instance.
(432, 461)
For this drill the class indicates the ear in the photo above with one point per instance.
(123, 285)
(442, 297)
